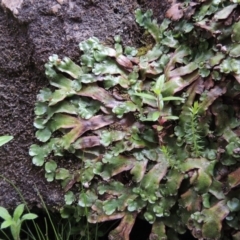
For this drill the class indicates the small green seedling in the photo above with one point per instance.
(15, 221)
(156, 95)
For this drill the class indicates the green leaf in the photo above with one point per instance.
(213, 220)
(44, 95)
(216, 59)
(119, 204)
(136, 204)
(150, 217)
(114, 165)
(66, 66)
(151, 116)
(49, 176)
(130, 51)
(206, 200)
(100, 54)
(225, 12)
(59, 95)
(170, 41)
(110, 206)
(111, 81)
(7, 223)
(40, 108)
(226, 66)
(234, 204)
(138, 170)
(57, 79)
(113, 188)
(204, 72)
(69, 198)
(87, 60)
(76, 85)
(144, 20)
(205, 171)
(118, 48)
(38, 160)
(216, 190)
(145, 95)
(171, 117)
(5, 139)
(35, 150)
(88, 108)
(18, 212)
(29, 216)
(39, 123)
(50, 166)
(87, 78)
(62, 173)
(87, 175)
(123, 108)
(174, 181)
(206, 9)
(86, 199)
(154, 53)
(107, 67)
(152, 178)
(172, 98)
(117, 38)
(108, 137)
(5, 214)
(89, 44)
(157, 89)
(235, 51)
(236, 32)
(231, 147)
(43, 135)
(158, 231)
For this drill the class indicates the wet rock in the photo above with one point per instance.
(12, 5)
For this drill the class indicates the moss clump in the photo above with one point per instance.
(153, 133)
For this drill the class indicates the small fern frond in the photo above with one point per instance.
(193, 132)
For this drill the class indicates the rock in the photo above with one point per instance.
(55, 8)
(12, 5)
(31, 31)
(62, 1)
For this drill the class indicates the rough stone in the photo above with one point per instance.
(12, 5)
(31, 31)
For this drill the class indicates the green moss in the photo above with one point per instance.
(150, 127)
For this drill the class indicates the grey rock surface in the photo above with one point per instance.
(31, 31)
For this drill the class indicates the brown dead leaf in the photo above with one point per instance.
(234, 178)
(124, 61)
(87, 142)
(124, 228)
(209, 83)
(100, 94)
(190, 10)
(175, 12)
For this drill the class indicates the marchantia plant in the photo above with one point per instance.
(156, 135)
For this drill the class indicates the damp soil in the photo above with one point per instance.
(42, 28)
